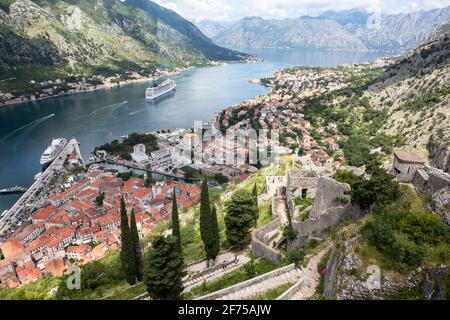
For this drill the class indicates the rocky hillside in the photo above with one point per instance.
(416, 93)
(98, 36)
(254, 32)
(352, 18)
(403, 31)
(336, 30)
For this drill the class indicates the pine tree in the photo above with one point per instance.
(127, 255)
(163, 272)
(240, 218)
(215, 247)
(137, 246)
(176, 222)
(205, 219)
(255, 196)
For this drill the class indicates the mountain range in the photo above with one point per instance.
(212, 28)
(48, 37)
(344, 30)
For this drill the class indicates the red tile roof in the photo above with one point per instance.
(55, 267)
(28, 272)
(44, 213)
(13, 250)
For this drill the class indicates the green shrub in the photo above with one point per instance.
(408, 236)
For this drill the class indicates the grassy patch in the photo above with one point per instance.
(128, 293)
(38, 290)
(265, 214)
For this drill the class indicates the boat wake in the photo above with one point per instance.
(111, 106)
(116, 105)
(85, 115)
(30, 125)
(137, 112)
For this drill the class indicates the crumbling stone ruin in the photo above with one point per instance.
(331, 207)
(300, 183)
(265, 240)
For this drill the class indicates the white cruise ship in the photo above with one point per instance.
(154, 92)
(53, 150)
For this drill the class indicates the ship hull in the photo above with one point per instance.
(154, 96)
(48, 159)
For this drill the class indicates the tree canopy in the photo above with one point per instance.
(240, 217)
(164, 269)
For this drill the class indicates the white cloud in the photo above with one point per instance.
(231, 10)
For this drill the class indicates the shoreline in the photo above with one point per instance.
(97, 88)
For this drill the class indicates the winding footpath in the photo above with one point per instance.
(310, 277)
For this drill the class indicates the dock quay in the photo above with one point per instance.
(33, 198)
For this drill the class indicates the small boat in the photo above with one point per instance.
(13, 190)
(154, 92)
(37, 176)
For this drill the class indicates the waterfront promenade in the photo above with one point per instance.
(34, 198)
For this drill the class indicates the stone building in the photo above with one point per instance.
(406, 164)
(300, 183)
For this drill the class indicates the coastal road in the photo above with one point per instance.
(33, 198)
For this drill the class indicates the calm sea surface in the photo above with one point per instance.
(101, 116)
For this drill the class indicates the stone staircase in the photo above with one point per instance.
(194, 279)
(257, 286)
(308, 281)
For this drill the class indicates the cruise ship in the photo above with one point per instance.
(53, 151)
(154, 92)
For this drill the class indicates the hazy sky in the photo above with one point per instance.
(231, 10)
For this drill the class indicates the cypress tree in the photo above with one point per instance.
(255, 196)
(163, 272)
(215, 247)
(137, 246)
(127, 255)
(176, 222)
(205, 219)
(240, 218)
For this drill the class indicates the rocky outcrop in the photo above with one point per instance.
(440, 201)
(434, 286)
(355, 284)
(439, 154)
(430, 180)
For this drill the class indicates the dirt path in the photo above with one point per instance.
(311, 277)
